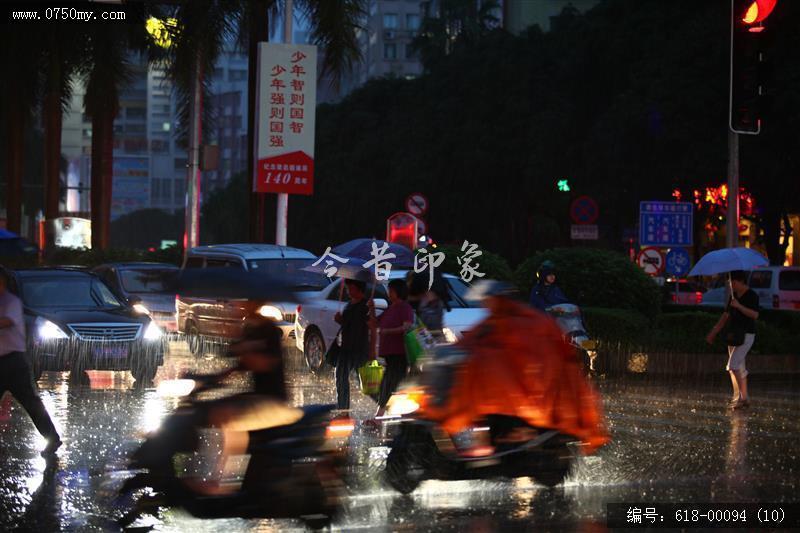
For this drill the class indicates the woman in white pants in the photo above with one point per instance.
(740, 318)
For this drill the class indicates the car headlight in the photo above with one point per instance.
(140, 309)
(48, 331)
(449, 335)
(270, 311)
(153, 332)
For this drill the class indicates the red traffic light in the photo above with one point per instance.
(758, 11)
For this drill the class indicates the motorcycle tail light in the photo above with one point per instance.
(698, 297)
(299, 308)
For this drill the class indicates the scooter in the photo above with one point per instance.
(568, 318)
(421, 449)
(293, 471)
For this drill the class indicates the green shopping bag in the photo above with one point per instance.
(371, 375)
(417, 342)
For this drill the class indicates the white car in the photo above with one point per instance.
(777, 288)
(315, 328)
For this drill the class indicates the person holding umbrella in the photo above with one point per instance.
(740, 320)
(741, 313)
(355, 335)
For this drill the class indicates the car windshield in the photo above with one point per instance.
(789, 280)
(290, 270)
(461, 289)
(149, 280)
(80, 292)
(13, 247)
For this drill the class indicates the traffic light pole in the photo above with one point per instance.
(732, 228)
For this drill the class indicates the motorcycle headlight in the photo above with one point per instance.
(47, 331)
(140, 309)
(402, 404)
(153, 332)
(270, 311)
(449, 335)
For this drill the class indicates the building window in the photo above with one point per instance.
(411, 52)
(136, 112)
(390, 21)
(412, 21)
(180, 190)
(389, 51)
(181, 163)
(157, 145)
(237, 75)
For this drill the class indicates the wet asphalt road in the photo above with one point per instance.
(672, 442)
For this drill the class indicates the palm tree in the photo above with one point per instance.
(206, 26)
(106, 71)
(20, 59)
(60, 61)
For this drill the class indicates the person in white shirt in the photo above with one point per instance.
(15, 374)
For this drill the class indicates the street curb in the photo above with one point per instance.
(691, 364)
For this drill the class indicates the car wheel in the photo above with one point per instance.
(552, 469)
(193, 339)
(314, 349)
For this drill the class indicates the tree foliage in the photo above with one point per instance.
(627, 102)
(595, 278)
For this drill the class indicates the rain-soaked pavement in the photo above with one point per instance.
(673, 441)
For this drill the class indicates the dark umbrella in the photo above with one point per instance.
(350, 268)
(233, 283)
(362, 249)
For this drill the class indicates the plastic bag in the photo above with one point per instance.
(418, 342)
(371, 375)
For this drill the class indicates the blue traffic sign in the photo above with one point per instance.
(665, 224)
(678, 262)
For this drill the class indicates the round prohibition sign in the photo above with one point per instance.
(584, 210)
(417, 204)
(651, 260)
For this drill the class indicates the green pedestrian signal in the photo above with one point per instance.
(563, 185)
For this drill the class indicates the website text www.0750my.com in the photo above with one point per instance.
(66, 14)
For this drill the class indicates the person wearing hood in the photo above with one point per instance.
(546, 293)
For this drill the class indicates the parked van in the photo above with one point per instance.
(777, 288)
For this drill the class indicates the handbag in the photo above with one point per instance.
(371, 375)
(335, 349)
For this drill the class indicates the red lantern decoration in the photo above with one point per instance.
(758, 11)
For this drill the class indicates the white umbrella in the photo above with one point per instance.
(728, 260)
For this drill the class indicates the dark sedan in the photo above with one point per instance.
(150, 285)
(75, 322)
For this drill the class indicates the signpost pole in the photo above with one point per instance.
(732, 237)
(282, 214)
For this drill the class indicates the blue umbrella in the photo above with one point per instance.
(728, 260)
(362, 249)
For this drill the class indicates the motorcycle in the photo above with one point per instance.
(421, 449)
(293, 470)
(568, 318)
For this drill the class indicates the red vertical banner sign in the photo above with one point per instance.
(285, 110)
